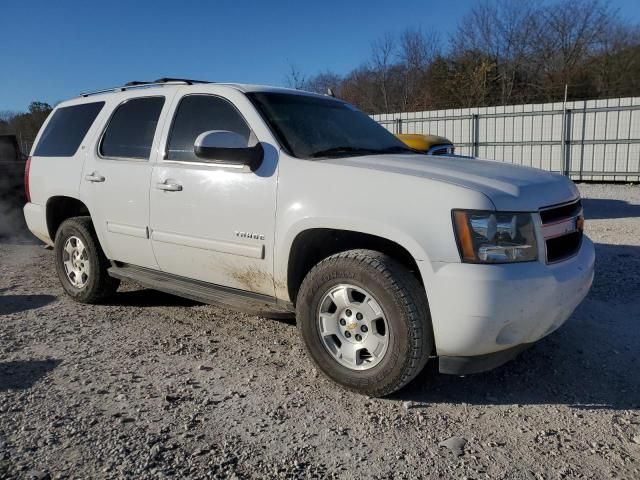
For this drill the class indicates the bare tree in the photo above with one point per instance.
(25, 124)
(360, 88)
(573, 31)
(7, 115)
(504, 52)
(295, 78)
(417, 51)
(322, 82)
(616, 70)
(501, 33)
(382, 55)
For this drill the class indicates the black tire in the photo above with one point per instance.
(99, 285)
(404, 303)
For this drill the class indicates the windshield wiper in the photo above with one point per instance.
(397, 149)
(340, 151)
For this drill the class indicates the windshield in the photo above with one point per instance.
(316, 127)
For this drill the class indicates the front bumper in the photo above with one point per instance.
(479, 363)
(478, 310)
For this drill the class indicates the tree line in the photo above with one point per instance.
(25, 125)
(502, 52)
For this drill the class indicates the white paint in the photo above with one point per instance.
(234, 248)
(408, 200)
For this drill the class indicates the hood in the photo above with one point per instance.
(509, 187)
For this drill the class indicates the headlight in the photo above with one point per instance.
(494, 237)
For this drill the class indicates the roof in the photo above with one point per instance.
(177, 82)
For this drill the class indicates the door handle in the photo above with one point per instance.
(94, 177)
(169, 187)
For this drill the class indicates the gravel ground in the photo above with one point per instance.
(153, 386)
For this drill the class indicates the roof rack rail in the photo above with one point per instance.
(141, 84)
(135, 83)
(188, 81)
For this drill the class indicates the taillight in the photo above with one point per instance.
(27, 167)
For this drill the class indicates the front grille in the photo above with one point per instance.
(562, 230)
(563, 247)
(554, 214)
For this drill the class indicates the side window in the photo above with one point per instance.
(131, 129)
(197, 114)
(66, 130)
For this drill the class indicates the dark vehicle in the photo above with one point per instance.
(12, 196)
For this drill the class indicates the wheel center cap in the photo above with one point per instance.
(353, 325)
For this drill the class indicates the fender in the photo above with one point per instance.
(284, 245)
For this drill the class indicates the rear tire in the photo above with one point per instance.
(348, 299)
(80, 262)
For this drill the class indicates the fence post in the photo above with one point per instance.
(398, 125)
(566, 142)
(584, 123)
(475, 134)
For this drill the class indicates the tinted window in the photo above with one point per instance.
(319, 127)
(197, 114)
(66, 130)
(131, 128)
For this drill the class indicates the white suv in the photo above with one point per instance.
(278, 202)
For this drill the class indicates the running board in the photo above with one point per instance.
(204, 292)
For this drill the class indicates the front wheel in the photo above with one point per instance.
(365, 321)
(80, 262)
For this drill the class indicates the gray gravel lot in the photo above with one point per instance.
(153, 386)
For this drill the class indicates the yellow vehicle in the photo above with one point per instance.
(431, 144)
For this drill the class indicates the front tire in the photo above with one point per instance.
(365, 321)
(80, 262)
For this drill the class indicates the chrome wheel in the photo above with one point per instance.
(353, 327)
(76, 263)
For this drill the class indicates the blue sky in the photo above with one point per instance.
(52, 50)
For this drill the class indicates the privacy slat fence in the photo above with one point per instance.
(595, 140)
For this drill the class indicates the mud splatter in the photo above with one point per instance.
(252, 279)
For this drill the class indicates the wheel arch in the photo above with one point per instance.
(61, 207)
(312, 245)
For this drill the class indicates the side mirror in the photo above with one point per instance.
(222, 146)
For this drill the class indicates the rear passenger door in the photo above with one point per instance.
(116, 176)
(217, 224)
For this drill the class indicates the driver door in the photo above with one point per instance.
(209, 221)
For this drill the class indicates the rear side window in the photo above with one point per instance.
(131, 129)
(197, 114)
(66, 130)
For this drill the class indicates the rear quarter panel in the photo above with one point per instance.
(60, 176)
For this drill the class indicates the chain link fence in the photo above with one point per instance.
(595, 140)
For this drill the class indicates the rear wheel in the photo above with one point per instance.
(365, 321)
(80, 262)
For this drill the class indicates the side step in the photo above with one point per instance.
(204, 292)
